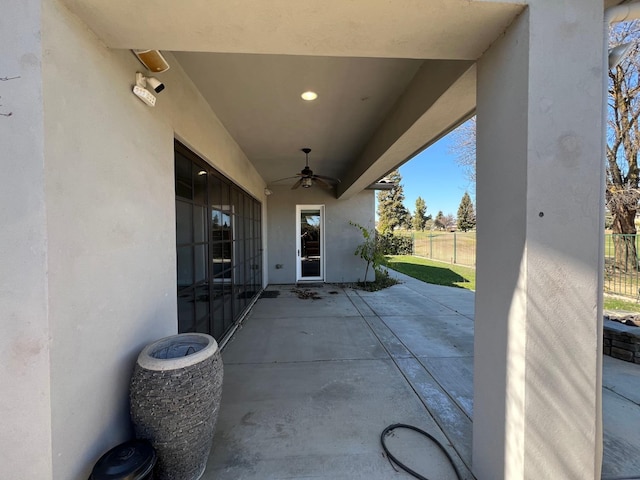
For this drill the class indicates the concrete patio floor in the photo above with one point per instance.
(310, 385)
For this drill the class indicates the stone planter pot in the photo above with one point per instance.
(175, 398)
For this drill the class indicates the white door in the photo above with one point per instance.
(309, 242)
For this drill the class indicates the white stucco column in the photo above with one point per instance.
(537, 406)
(25, 410)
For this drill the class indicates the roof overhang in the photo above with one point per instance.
(392, 77)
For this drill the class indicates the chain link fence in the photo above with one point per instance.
(621, 273)
(622, 261)
(453, 247)
(450, 247)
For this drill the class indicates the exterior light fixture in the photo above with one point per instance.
(309, 96)
(153, 60)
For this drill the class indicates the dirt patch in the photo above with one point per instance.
(306, 294)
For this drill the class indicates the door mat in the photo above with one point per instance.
(249, 294)
(270, 294)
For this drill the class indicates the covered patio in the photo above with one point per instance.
(311, 383)
(125, 223)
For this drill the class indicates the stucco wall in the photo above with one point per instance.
(24, 338)
(539, 207)
(109, 181)
(341, 239)
(500, 292)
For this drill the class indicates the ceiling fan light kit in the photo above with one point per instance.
(306, 177)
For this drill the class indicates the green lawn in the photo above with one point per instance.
(613, 303)
(428, 271)
(440, 273)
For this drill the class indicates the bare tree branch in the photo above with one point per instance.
(464, 147)
(623, 144)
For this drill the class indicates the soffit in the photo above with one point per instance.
(436, 29)
(257, 98)
(373, 64)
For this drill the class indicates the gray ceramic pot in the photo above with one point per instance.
(175, 395)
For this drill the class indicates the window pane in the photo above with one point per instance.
(215, 191)
(216, 224)
(226, 226)
(199, 224)
(202, 308)
(184, 226)
(183, 177)
(247, 228)
(185, 266)
(199, 184)
(227, 254)
(233, 200)
(217, 259)
(238, 228)
(202, 300)
(238, 299)
(229, 314)
(217, 317)
(224, 195)
(185, 311)
(200, 263)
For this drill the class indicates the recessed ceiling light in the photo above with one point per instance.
(308, 96)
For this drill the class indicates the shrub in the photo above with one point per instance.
(369, 250)
(390, 244)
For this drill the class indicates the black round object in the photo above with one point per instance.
(133, 460)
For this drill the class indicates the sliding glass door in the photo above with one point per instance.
(218, 246)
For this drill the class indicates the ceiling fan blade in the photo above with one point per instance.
(331, 179)
(281, 179)
(297, 184)
(322, 183)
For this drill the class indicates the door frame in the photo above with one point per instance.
(298, 252)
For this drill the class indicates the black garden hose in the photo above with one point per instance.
(390, 456)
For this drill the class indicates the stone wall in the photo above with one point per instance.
(621, 341)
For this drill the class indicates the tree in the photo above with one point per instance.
(466, 214)
(440, 222)
(622, 195)
(369, 250)
(391, 210)
(420, 218)
(463, 146)
(623, 145)
(449, 222)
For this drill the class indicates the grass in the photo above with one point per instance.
(429, 271)
(439, 273)
(615, 303)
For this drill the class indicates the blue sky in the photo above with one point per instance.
(435, 176)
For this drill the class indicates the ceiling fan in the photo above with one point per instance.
(306, 177)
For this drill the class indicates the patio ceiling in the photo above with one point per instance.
(392, 77)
